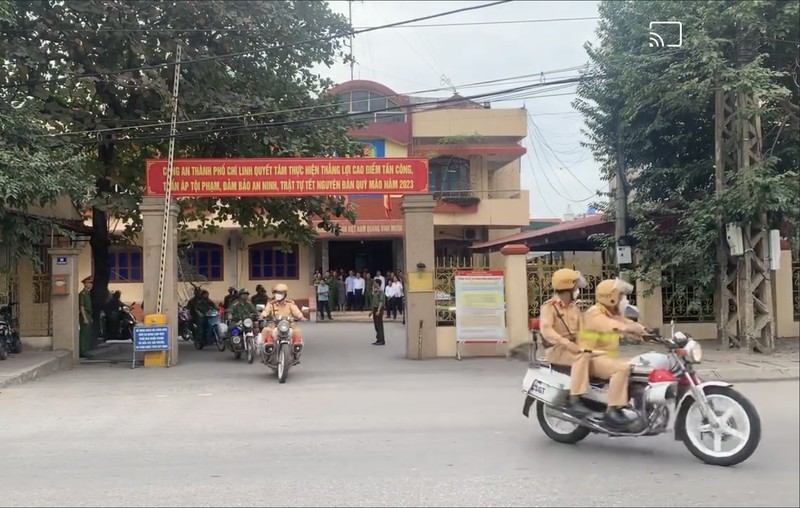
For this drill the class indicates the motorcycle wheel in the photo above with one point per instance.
(251, 351)
(3, 350)
(187, 334)
(16, 345)
(198, 345)
(570, 434)
(237, 355)
(219, 340)
(283, 364)
(746, 432)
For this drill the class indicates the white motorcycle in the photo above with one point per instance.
(282, 351)
(716, 423)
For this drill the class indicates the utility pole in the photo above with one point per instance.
(744, 291)
(624, 255)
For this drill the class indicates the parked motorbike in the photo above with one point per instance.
(242, 339)
(9, 332)
(667, 396)
(185, 324)
(120, 323)
(283, 350)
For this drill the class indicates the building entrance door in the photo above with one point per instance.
(360, 255)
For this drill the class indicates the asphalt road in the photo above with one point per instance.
(355, 425)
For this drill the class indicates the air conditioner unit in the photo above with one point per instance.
(472, 234)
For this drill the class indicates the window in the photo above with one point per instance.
(206, 259)
(448, 174)
(268, 261)
(125, 264)
(362, 101)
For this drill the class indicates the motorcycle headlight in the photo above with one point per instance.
(694, 352)
(126, 308)
(248, 323)
(283, 326)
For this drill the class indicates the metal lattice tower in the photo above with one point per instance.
(744, 293)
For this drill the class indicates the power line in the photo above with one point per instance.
(547, 179)
(261, 50)
(563, 165)
(250, 129)
(253, 115)
(243, 30)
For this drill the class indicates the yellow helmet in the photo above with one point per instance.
(565, 280)
(609, 292)
(280, 288)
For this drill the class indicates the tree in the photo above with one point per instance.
(70, 54)
(35, 170)
(662, 101)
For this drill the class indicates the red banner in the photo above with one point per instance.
(367, 228)
(287, 177)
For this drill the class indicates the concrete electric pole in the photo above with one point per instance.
(744, 293)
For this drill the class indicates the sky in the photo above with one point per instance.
(557, 170)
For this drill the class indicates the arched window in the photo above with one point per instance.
(448, 174)
(269, 261)
(207, 260)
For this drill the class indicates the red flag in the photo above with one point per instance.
(387, 204)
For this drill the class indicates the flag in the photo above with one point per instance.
(387, 204)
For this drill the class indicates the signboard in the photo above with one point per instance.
(375, 148)
(61, 261)
(151, 338)
(368, 228)
(480, 306)
(288, 177)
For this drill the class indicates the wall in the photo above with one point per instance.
(235, 260)
(459, 122)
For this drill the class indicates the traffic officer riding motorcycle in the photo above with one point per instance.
(280, 340)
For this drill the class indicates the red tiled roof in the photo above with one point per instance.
(585, 222)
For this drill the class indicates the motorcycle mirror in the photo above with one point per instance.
(304, 309)
(631, 312)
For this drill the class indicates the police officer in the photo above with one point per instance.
(280, 306)
(601, 328)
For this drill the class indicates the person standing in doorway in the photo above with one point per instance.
(388, 293)
(85, 310)
(378, 306)
(358, 288)
(341, 287)
(323, 300)
(350, 284)
(381, 278)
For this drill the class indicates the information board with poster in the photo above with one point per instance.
(480, 307)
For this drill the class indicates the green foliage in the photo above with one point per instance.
(662, 99)
(462, 139)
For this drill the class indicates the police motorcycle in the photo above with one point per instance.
(242, 339)
(716, 423)
(282, 349)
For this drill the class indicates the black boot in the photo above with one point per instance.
(615, 417)
(575, 407)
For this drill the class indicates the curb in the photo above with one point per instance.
(61, 361)
(750, 375)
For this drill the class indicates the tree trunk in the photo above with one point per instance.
(100, 242)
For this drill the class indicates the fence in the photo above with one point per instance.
(540, 272)
(445, 284)
(684, 302)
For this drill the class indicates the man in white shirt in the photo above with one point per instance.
(358, 288)
(381, 278)
(389, 291)
(397, 291)
(350, 294)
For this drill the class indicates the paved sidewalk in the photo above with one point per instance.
(32, 365)
(737, 366)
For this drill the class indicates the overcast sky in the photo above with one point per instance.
(410, 60)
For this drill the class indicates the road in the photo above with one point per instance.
(355, 425)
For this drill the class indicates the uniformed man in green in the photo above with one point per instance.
(241, 308)
(378, 306)
(85, 316)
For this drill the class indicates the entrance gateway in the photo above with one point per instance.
(292, 177)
